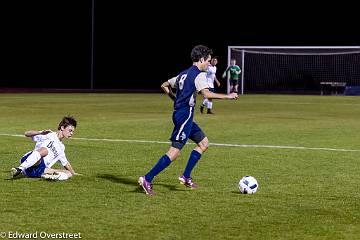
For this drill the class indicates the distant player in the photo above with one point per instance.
(188, 83)
(234, 71)
(48, 150)
(211, 78)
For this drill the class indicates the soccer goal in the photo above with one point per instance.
(296, 69)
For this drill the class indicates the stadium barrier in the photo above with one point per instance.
(352, 91)
(333, 88)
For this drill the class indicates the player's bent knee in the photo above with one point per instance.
(204, 144)
(203, 148)
(43, 152)
(173, 153)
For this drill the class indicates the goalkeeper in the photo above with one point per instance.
(234, 71)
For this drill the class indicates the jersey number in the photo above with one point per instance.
(181, 81)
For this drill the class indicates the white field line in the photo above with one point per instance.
(212, 144)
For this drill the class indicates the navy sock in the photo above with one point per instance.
(194, 158)
(163, 163)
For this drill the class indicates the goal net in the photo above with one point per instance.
(302, 69)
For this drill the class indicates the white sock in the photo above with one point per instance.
(30, 160)
(209, 105)
(205, 102)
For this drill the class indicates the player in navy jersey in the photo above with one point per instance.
(188, 83)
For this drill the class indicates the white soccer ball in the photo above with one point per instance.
(248, 185)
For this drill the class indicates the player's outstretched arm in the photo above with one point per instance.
(212, 95)
(166, 87)
(225, 72)
(70, 169)
(32, 133)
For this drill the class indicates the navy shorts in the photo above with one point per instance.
(185, 128)
(34, 171)
(212, 90)
(234, 82)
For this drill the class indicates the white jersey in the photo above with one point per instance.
(56, 149)
(210, 76)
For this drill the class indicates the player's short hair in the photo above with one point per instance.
(200, 51)
(215, 57)
(66, 121)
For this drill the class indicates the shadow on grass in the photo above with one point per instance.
(117, 179)
(10, 178)
(23, 178)
(236, 192)
(170, 187)
(122, 180)
(133, 182)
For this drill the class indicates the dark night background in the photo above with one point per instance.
(47, 44)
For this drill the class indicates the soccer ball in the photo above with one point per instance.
(248, 185)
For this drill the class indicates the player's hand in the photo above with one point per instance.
(218, 84)
(233, 96)
(224, 75)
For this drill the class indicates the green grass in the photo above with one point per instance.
(303, 193)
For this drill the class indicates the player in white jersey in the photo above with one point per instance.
(48, 150)
(211, 78)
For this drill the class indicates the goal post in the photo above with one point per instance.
(294, 69)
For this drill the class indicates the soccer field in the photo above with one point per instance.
(303, 150)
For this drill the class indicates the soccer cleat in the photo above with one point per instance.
(209, 111)
(201, 108)
(147, 186)
(14, 172)
(54, 176)
(187, 182)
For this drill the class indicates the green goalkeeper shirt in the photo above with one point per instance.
(234, 72)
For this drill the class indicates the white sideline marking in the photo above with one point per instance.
(212, 144)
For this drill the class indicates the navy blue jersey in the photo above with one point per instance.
(188, 83)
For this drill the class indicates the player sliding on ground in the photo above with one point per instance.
(49, 149)
(188, 83)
